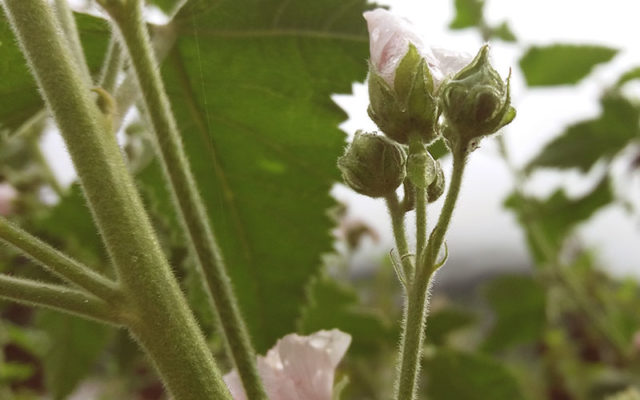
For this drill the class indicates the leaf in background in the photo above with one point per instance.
(581, 145)
(628, 76)
(519, 304)
(562, 64)
(444, 322)
(333, 305)
(503, 32)
(468, 14)
(76, 345)
(452, 374)
(548, 222)
(19, 97)
(250, 84)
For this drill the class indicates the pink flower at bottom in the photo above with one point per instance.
(298, 367)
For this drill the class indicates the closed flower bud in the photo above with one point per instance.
(403, 76)
(373, 165)
(436, 188)
(421, 169)
(475, 102)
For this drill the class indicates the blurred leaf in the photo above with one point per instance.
(468, 14)
(562, 64)
(503, 32)
(443, 322)
(581, 145)
(438, 149)
(456, 375)
(628, 76)
(548, 222)
(14, 371)
(75, 347)
(19, 98)
(70, 222)
(250, 84)
(519, 306)
(333, 305)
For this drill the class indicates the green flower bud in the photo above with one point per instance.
(407, 107)
(373, 165)
(421, 169)
(475, 102)
(436, 188)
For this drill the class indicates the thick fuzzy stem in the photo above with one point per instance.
(159, 316)
(128, 18)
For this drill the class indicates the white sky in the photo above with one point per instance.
(481, 229)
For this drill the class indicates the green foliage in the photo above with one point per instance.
(504, 32)
(263, 141)
(519, 304)
(628, 76)
(19, 98)
(467, 376)
(444, 322)
(334, 305)
(581, 145)
(468, 14)
(76, 345)
(562, 64)
(548, 222)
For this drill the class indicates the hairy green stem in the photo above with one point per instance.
(112, 66)
(396, 212)
(68, 24)
(193, 216)
(158, 315)
(57, 262)
(59, 298)
(417, 302)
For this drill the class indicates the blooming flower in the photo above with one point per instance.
(389, 39)
(298, 367)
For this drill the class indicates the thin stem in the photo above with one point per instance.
(159, 316)
(396, 212)
(68, 24)
(112, 66)
(417, 302)
(57, 262)
(58, 298)
(421, 221)
(185, 194)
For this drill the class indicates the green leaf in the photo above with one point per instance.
(581, 145)
(332, 305)
(628, 76)
(519, 304)
(468, 14)
(503, 32)
(442, 323)
(75, 347)
(456, 375)
(548, 222)
(19, 97)
(250, 84)
(562, 64)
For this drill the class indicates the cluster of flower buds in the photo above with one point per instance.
(420, 94)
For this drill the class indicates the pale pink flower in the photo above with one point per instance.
(389, 39)
(7, 196)
(298, 367)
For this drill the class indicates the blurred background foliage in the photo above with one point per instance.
(562, 330)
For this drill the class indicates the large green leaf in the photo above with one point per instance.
(456, 375)
(548, 222)
(581, 145)
(250, 84)
(19, 98)
(517, 322)
(562, 64)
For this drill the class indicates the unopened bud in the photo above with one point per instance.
(436, 188)
(475, 102)
(373, 165)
